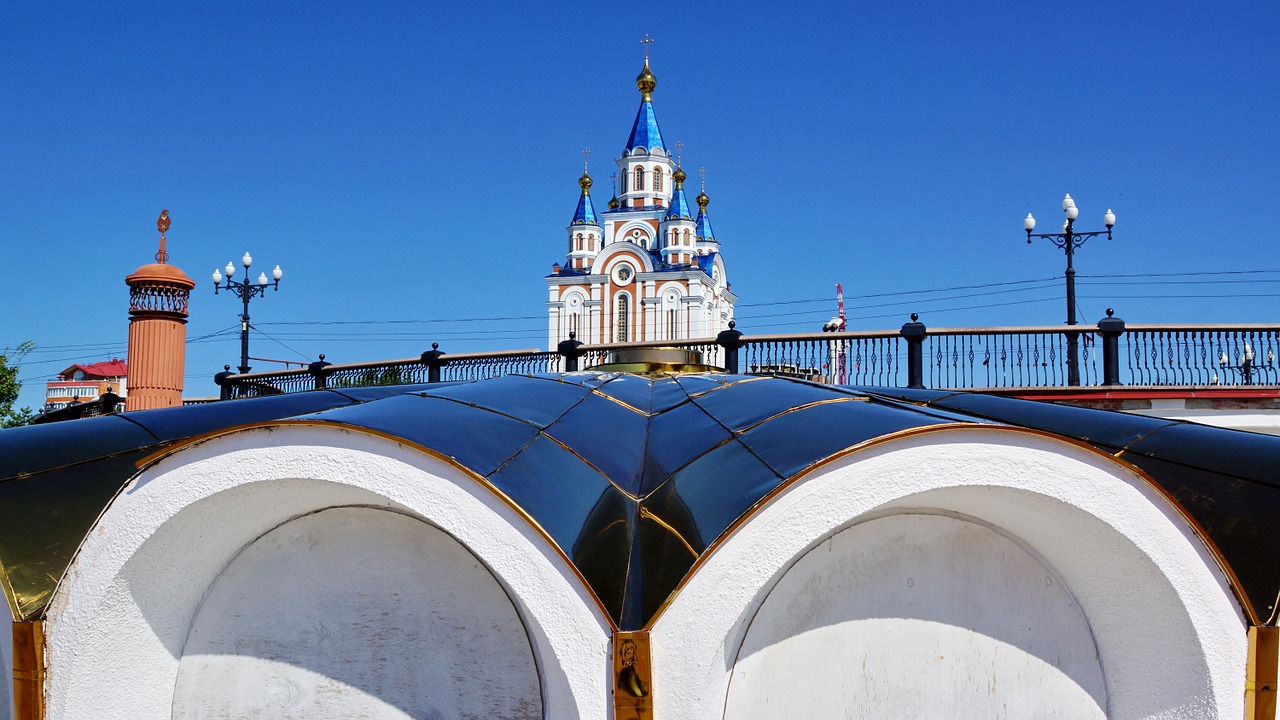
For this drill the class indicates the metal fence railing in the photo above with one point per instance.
(1107, 354)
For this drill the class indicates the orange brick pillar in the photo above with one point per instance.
(158, 297)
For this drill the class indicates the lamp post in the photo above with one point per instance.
(1068, 240)
(245, 289)
(1246, 364)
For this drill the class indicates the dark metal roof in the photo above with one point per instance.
(633, 477)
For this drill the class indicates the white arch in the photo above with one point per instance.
(118, 623)
(1171, 639)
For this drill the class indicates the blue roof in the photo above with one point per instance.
(645, 132)
(706, 262)
(704, 226)
(586, 212)
(679, 206)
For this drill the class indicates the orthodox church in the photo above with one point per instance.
(648, 268)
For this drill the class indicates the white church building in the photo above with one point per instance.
(649, 268)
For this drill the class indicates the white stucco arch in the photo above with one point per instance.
(118, 623)
(1170, 637)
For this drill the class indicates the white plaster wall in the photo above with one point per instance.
(6, 660)
(914, 615)
(1171, 640)
(356, 612)
(118, 623)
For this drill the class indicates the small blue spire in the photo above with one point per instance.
(585, 214)
(705, 233)
(645, 132)
(679, 206)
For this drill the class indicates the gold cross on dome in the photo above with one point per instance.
(679, 150)
(585, 153)
(703, 172)
(646, 42)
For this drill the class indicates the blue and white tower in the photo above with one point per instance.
(649, 268)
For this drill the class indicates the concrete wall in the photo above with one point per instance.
(6, 660)
(915, 615)
(1171, 640)
(118, 626)
(356, 612)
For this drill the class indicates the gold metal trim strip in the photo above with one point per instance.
(28, 670)
(647, 513)
(1261, 673)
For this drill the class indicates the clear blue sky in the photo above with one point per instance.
(418, 162)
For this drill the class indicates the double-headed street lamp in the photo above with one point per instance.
(245, 290)
(1069, 240)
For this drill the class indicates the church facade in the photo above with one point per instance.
(649, 268)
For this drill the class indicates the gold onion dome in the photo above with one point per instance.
(702, 200)
(613, 203)
(678, 176)
(584, 182)
(646, 82)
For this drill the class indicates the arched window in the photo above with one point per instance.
(639, 178)
(579, 241)
(621, 317)
(657, 179)
(686, 236)
(673, 326)
(573, 324)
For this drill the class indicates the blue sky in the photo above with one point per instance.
(418, 162)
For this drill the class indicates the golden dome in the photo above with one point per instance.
(678, 176)
(646, 82)
(702, 200)
(584, 182)
(613, 203)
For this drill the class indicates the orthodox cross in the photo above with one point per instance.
(679, 151)
(703, 172)
(613, 177)
(585, 153)
(646, 42)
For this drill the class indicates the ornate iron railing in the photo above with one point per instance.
(1110, 354)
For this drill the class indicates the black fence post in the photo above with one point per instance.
(568, 350)
(224, 387)
(1111, 328)
(318, 371)
(914, 332)
(110, 401)
(730, 340)
(434, 360)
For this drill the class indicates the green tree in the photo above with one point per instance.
(10, 386)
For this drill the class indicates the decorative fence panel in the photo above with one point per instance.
(1109, 354)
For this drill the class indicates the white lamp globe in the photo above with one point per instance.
(1029, 223)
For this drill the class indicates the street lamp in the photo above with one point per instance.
(245, 290)
(1246, 364)
(1068, 240)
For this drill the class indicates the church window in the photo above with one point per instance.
(639, 179)
(657, 179)
(621, 316)
(579, 241)
(673, 326)
(686, 237)
(573, 324)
